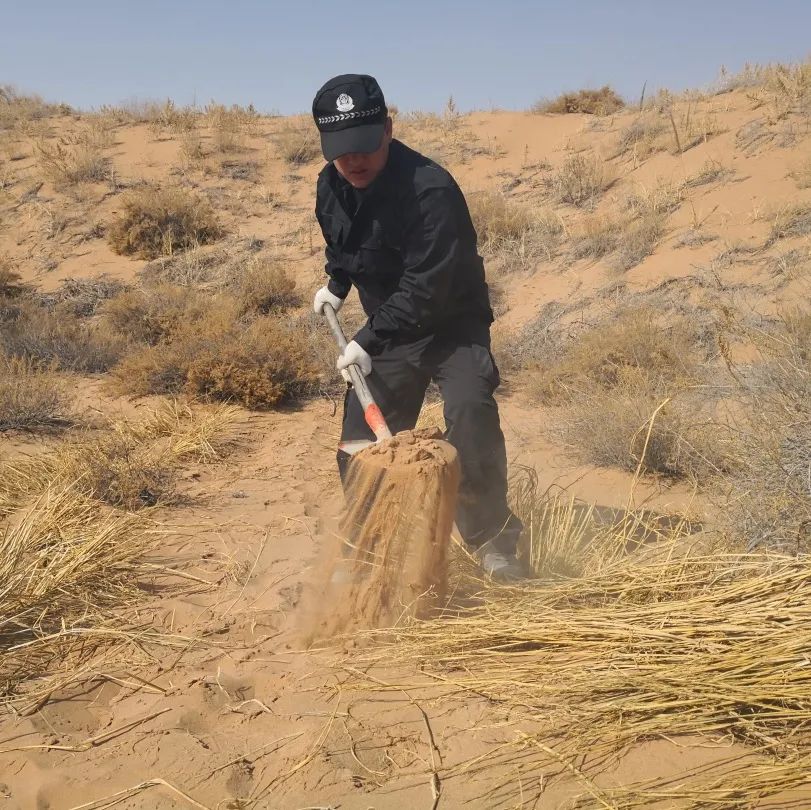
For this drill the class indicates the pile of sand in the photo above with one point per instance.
(390, 558)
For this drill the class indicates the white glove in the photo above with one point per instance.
(354, 355)
(324, 296)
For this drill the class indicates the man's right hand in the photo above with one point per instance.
(324, 296)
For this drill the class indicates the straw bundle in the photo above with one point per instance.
(64, 565)
(672, 644)
(132, 464)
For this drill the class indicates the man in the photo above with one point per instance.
(397, 227)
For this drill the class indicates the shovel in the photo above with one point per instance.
(371, 413)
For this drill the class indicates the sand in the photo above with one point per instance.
(242, 714)
(389, 558)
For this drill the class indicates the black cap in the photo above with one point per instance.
(350, 113)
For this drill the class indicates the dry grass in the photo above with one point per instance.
(768, 499)
(131, 464)
(297, 141)
(801, 174)
(635, 339)
(82, 297)
(159, 221)
(641, 374)
(172, 119)
(72, 568)
(11, 284)
(64, 564)
(31, 397)
(596, 235)
(17, 110)
(75, 158)
(262, 365)
(604, 101)
(791, 221)
(659, 645)
(30, 330)
(514, 233)
(230, 126)
(158, 312)
(265, 284)
(638, 240)
(674, 128)
(713, 171)
(582, 179)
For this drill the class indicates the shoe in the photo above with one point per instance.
(503, 566)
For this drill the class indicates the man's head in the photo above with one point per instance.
(356, 130)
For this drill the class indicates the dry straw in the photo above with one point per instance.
(73, 567)
(670, 640)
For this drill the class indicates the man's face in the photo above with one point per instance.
(360, 169)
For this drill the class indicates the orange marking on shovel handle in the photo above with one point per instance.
(374, 418)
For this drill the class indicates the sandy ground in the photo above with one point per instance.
(244, 717)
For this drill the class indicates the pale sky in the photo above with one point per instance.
(503, 53)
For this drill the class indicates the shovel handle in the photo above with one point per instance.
(371, 413)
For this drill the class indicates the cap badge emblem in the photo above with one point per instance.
(345, 103)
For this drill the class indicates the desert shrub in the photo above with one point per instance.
(595, 236)
(610, 382)
(170, 118)
(791, 221)
(31, 396)
(637, 240)
(646, 134)
(666, 352)
(634, 424)
(582, 179)
(767, 497)
(156, 313)
(513, 230)
(82, 297)
(298, 142)
(603, 101)
(11, 284)
(230, 125)
(31, 331)
(75, 158)
(157, 221)
(261, 365)
(263, 285)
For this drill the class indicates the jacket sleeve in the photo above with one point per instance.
(339, 283)
(430, 253)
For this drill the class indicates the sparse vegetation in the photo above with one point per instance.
(158, 221)
(31, 331)
(76, 158)
(261, 365)
(230, 126)
(792, 221)
(768, 500)
(636, 371)
(297, 141)
(582, 179)
(514, 232)
(264, 285)
(31, 397)
(604, 101)
(801, 174)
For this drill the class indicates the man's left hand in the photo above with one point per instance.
(355, 354)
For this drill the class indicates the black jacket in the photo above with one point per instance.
(409, 248)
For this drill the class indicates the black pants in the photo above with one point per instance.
(467, 376)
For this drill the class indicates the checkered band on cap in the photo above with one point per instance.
(334, 119)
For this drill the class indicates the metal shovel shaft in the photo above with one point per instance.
(371, 413)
